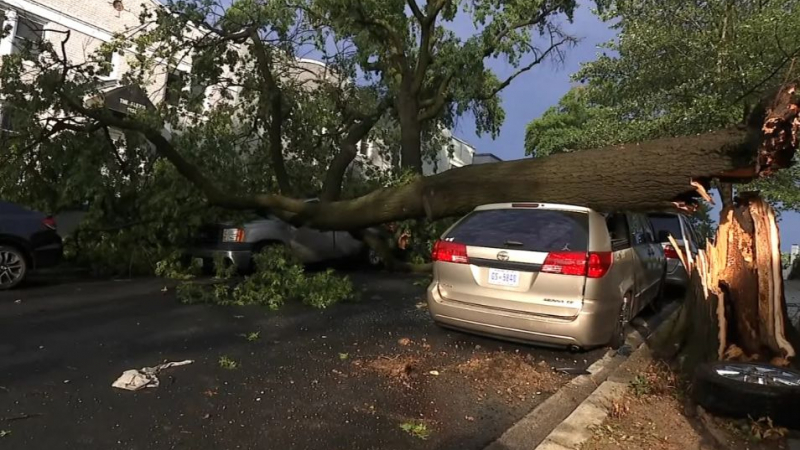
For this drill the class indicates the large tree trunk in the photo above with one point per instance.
(653, 175)
(735, 306)
(410, 133)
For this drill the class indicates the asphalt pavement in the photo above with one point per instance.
(349, 377)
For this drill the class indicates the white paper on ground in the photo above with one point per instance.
(133, 380)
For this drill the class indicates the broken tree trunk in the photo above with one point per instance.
(735, 307)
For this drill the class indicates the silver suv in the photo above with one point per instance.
(681, 229)
(552, 274)
(237, 244)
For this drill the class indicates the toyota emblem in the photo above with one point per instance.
(502, 256)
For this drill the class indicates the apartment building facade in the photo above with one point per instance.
(90, 24)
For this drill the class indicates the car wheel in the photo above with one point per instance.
(739, 389)
(13, 267)
(618, 338)
(373, 258)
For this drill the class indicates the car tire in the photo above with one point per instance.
(373, 258)
(721, 388)
(13, 267)
(618, 336)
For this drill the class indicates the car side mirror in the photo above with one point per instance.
(663, 236)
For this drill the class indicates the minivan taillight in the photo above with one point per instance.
(670, 253)
(599, 263)
(591, 265)
(452, 252)
(49, 222)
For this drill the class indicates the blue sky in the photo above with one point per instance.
(532, 93)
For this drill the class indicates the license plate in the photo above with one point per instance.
(501, 277)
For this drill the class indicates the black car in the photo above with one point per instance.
(28, 241)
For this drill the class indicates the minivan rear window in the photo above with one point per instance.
(668, 223)
(540, 230)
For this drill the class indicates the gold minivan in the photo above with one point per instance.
(550, 274)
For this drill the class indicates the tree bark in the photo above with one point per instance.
(410, 133)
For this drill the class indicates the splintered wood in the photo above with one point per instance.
(740, 278)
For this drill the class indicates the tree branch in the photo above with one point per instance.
(538, 60)
(433, 106)
(332, 186)
(283, 207)
(271, 105)
(390, 34)
(537, 18)
(416, 11)
(427, 27)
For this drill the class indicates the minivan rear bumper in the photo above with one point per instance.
(592, 327)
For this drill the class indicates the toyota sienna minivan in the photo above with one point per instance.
(550, 274)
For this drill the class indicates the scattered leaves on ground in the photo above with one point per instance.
(417, 429)
(511, 375)
(343, 356)
(651, 416)
(400, 367)
(764, 429)
(252, 336)
(4, 433)
(227, 363)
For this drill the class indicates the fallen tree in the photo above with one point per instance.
(416, 68)
(662, 174)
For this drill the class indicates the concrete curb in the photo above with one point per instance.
(551, 424)
(577, 428)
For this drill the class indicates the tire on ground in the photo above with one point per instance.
(733, 398)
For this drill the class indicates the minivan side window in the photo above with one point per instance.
(637, 230)
(618, 231)
(649, 234)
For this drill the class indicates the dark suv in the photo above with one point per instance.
(28, 241)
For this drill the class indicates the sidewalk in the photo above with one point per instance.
(644, 405)
(653, 415)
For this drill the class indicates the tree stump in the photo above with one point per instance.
(735, 307)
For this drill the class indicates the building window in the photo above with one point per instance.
(197, 91)
(174, 87)
(5, 121)
(107, 70)
(176, 84)
(29, 34)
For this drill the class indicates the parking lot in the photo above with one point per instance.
(344, 378)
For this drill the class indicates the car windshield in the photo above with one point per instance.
(540, 230)
(669, 223)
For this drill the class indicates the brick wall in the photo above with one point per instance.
(101, 13)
